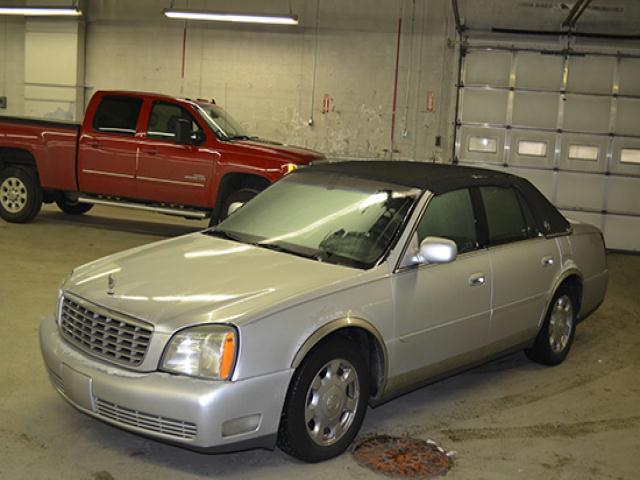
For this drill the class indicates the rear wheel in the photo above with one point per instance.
(556, 336)
(20, 195)
(72, 207)
(326, 402)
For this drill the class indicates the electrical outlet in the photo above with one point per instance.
(3, 102)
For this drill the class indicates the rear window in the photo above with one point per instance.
(117, 115)
(508, 218)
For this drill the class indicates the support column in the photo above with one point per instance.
(54, 68)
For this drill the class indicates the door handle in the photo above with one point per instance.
(150, 151)
(548, 261)
(477, 280)
(94, 143)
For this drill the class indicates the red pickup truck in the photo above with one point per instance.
(138, 150)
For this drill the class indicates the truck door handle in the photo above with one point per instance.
(94, 143)
(548, 261)
(477, 280)
(150, 151)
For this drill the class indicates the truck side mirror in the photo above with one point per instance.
(183, 131)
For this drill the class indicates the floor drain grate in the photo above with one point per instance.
(402, 457)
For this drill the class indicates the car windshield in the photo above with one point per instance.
(326, 217)
(223, 124)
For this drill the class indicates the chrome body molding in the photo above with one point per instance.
(107, 174)
(173, 182)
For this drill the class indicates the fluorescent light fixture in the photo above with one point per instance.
(41, 11)
(231, 17)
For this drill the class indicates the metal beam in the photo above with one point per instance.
(575, 13)
(456, 15)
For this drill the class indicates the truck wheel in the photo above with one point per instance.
(326, 402)
(556, 335)
(71, 207)
(20, 195)
(235, 200)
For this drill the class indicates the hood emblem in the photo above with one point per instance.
(111, 284)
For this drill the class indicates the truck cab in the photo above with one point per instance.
(139, 150)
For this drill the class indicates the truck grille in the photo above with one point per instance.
(105, 334)
(146, 421)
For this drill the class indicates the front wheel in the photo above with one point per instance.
(233, 201)
(326, 402)
(72, 207)
(556, 335)
(20, 195)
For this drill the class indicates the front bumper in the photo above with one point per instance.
(203, 415)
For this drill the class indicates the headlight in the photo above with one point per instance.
(289, 167)
(207, 352)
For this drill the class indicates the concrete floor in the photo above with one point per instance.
(508, 419)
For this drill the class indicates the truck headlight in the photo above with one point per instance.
(205, 351)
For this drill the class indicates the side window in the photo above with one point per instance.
(508, 217)
(164, 118)
(532, 228)
(117, 115)
(450, 215)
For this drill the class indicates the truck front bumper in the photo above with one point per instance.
(210, 416)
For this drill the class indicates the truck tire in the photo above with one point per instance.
(72, 208)
(239, 196)
(20, 195)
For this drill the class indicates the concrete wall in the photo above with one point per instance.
(12, 64)
(273, 79)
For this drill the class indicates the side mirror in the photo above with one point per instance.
(437, 250)
(183, 131)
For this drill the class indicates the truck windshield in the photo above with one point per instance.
(223, 124)
(326, 217)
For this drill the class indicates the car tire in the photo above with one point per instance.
(239, 196)
(326, 402)
(554, 340)
(72, 208)
(20, 195)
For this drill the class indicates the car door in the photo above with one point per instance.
(442, 311)
(524, 265)
(167, 171)
(107, 150)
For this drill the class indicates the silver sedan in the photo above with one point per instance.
(343, 285)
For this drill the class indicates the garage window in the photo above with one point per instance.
(483, 144)
(532, 149)
(630, 155)
(584, 152)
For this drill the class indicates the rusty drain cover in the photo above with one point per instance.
(402, 457)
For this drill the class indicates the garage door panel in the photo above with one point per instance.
(578, 152)
(596, 219)
(626, 157)
(587, 113)
(534, 109)
(542, 179)
(484, 106)
(629, 71)
(482, 145)
(591, 74)
(622, 232)
(580, 190)
(622, 195)
(487, 68)
(628, 116)
(539, 72)
(532, 149)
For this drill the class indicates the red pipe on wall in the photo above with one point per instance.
(395, 86)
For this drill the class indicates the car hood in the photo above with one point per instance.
(282, 151)
(198, 278)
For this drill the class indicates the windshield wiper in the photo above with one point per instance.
(241, 137)
(279, 248)
(224, 234)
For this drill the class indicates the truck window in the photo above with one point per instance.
(117, 115)
(163, 120)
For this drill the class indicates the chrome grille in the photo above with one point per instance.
(146, 421)
(105, 334)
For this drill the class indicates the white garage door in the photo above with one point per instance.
(570, 124)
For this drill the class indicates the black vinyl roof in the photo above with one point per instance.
(441, 178)
(435, 177)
